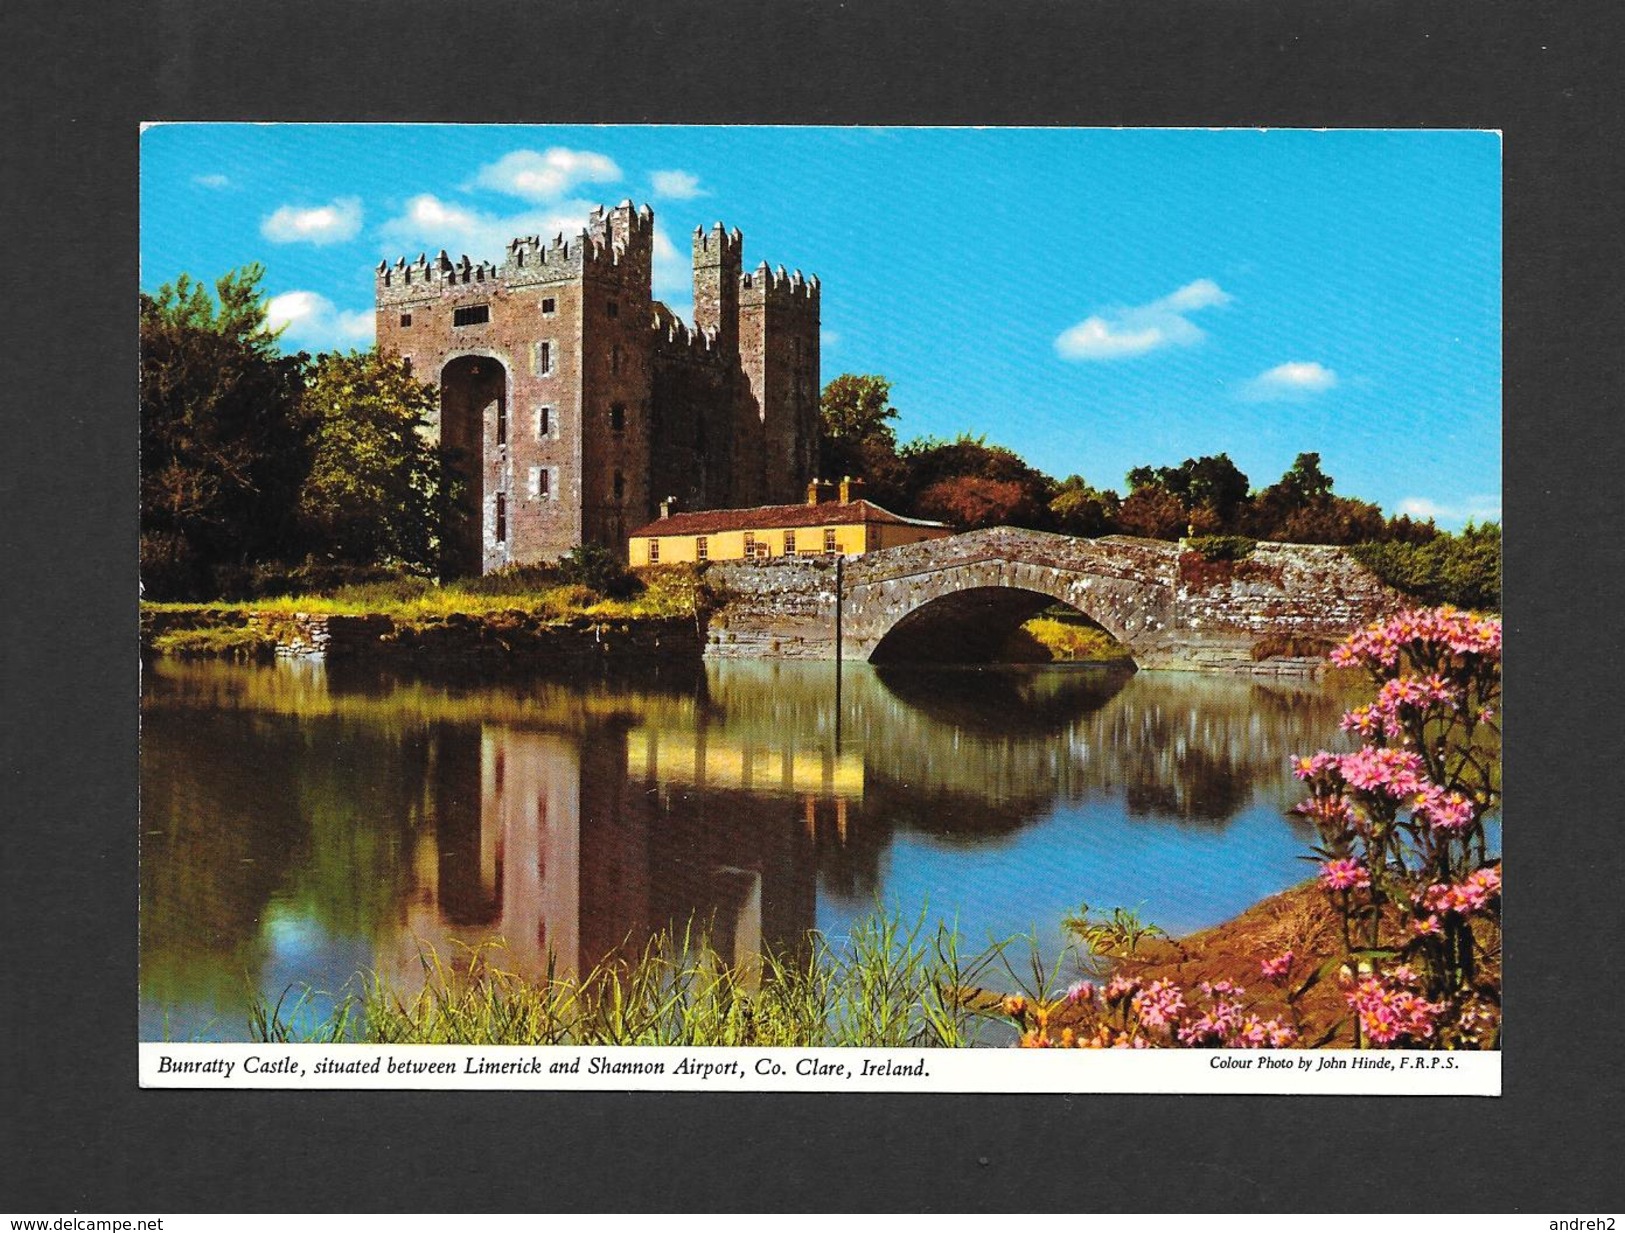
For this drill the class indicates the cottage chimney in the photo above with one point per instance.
(666, 507)
(819, 491)
(851, 489)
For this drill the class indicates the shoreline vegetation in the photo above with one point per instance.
(890, 985)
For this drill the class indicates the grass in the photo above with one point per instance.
(667, 592)
(1068, 636)
(890, 985)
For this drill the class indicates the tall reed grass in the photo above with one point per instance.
(887, 985)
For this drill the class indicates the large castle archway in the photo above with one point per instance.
(473, 418)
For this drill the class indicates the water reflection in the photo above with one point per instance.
(300, 825)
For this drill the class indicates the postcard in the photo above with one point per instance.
(788, 608)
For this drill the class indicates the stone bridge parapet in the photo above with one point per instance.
(1279, 609)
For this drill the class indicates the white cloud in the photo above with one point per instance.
(677, 185)
(547, 175)
(1482, 508)
(829, 338)
(1118, 333)
(1289, 382)
(329, 224)
(214, 180)
(673, 271)
(430, 224)
(308, 318)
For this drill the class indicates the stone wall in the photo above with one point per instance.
(1277, 611)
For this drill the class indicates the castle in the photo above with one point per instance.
(573, 404)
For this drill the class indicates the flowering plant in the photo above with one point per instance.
(1404, 857)
(1402, 820)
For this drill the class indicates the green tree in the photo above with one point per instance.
(224, 446)
(1212, 490)
(1080, 509)
(855, 435)
(371, 493)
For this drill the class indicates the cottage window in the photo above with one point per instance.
(474, 314)
(830, 545)
(654, 552)
(789, 543)
(702, 549)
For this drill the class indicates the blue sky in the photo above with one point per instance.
(1094, 299)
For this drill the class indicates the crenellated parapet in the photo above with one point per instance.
(766, 285)
(616, 242)
(674, 337)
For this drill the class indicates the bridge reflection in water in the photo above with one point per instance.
(299, 825)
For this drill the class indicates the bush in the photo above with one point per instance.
(590, 565)
(1462, 570)
(1222, 547)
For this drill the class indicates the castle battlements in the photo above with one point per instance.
(572, 401)
(765, 284)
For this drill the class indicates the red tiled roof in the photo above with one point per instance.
(773, 517)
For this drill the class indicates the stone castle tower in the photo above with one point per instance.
(572, 402)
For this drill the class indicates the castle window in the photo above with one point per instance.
(474, 314)
(830, 544)
(544, 423)
(614, 308)
(615, 358)
(406, 318)
(502, 518)
(541, 483)
(549, 306)
(702, 549)
(502, 424)
(541, 359)
(654, 552)
(617, 417)
(620, 487)
(789, 543)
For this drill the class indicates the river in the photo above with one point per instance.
(301, 823)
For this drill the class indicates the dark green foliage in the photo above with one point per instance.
(855, 436)
(1211, 483)
(373, 484)
(225, 446)
(1223, 547)
(1464, 569)
(599, 569)
(321, 578)
(1079, 509)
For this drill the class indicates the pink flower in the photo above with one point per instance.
(1119, 988)
(1396, 772)
(1387, 1013)
(1464, 898)
(1346, 874)
(1080, 991)
(1160, 1004)
(1444, 811)
(1315, 764)
(1256, 1033)
(1277, 968)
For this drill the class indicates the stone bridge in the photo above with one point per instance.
(957, 600)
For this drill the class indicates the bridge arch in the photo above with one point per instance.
(959, 600)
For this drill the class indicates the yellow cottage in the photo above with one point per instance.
(820, 527)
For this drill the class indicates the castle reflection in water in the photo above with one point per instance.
(301, 825)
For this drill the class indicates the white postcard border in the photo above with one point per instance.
(1337, 1072)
